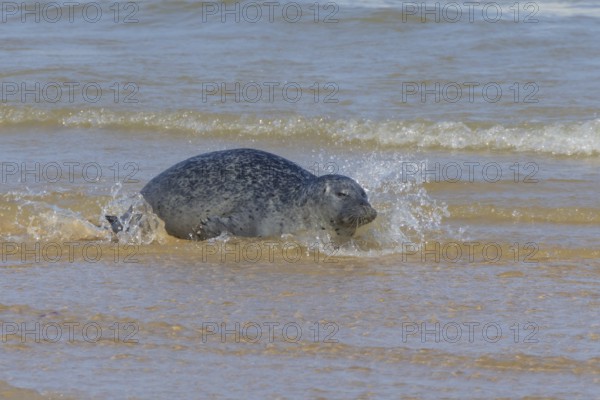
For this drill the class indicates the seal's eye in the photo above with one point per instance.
(341, 194)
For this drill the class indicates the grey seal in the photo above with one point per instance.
(252, 193)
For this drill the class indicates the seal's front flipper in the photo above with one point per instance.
(208, 228)
(214, 226)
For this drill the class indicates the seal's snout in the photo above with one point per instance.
(369, 214)
(359, 215)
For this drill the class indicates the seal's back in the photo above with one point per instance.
(224, 190)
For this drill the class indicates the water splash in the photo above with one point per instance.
(140, 224)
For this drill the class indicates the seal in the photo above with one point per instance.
(252, 193)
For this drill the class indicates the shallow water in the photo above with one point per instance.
(478, 279)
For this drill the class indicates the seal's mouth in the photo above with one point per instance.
(360, 215)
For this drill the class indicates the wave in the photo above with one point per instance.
(571, 139)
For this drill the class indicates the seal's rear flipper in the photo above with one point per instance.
(128, 219)
(114, 223)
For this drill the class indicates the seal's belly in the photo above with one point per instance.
(201, 218)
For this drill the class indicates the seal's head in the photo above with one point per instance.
(343, 204)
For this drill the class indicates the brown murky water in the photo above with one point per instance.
(478, 279)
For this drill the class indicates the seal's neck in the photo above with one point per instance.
(307, 203)
(307, 194)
